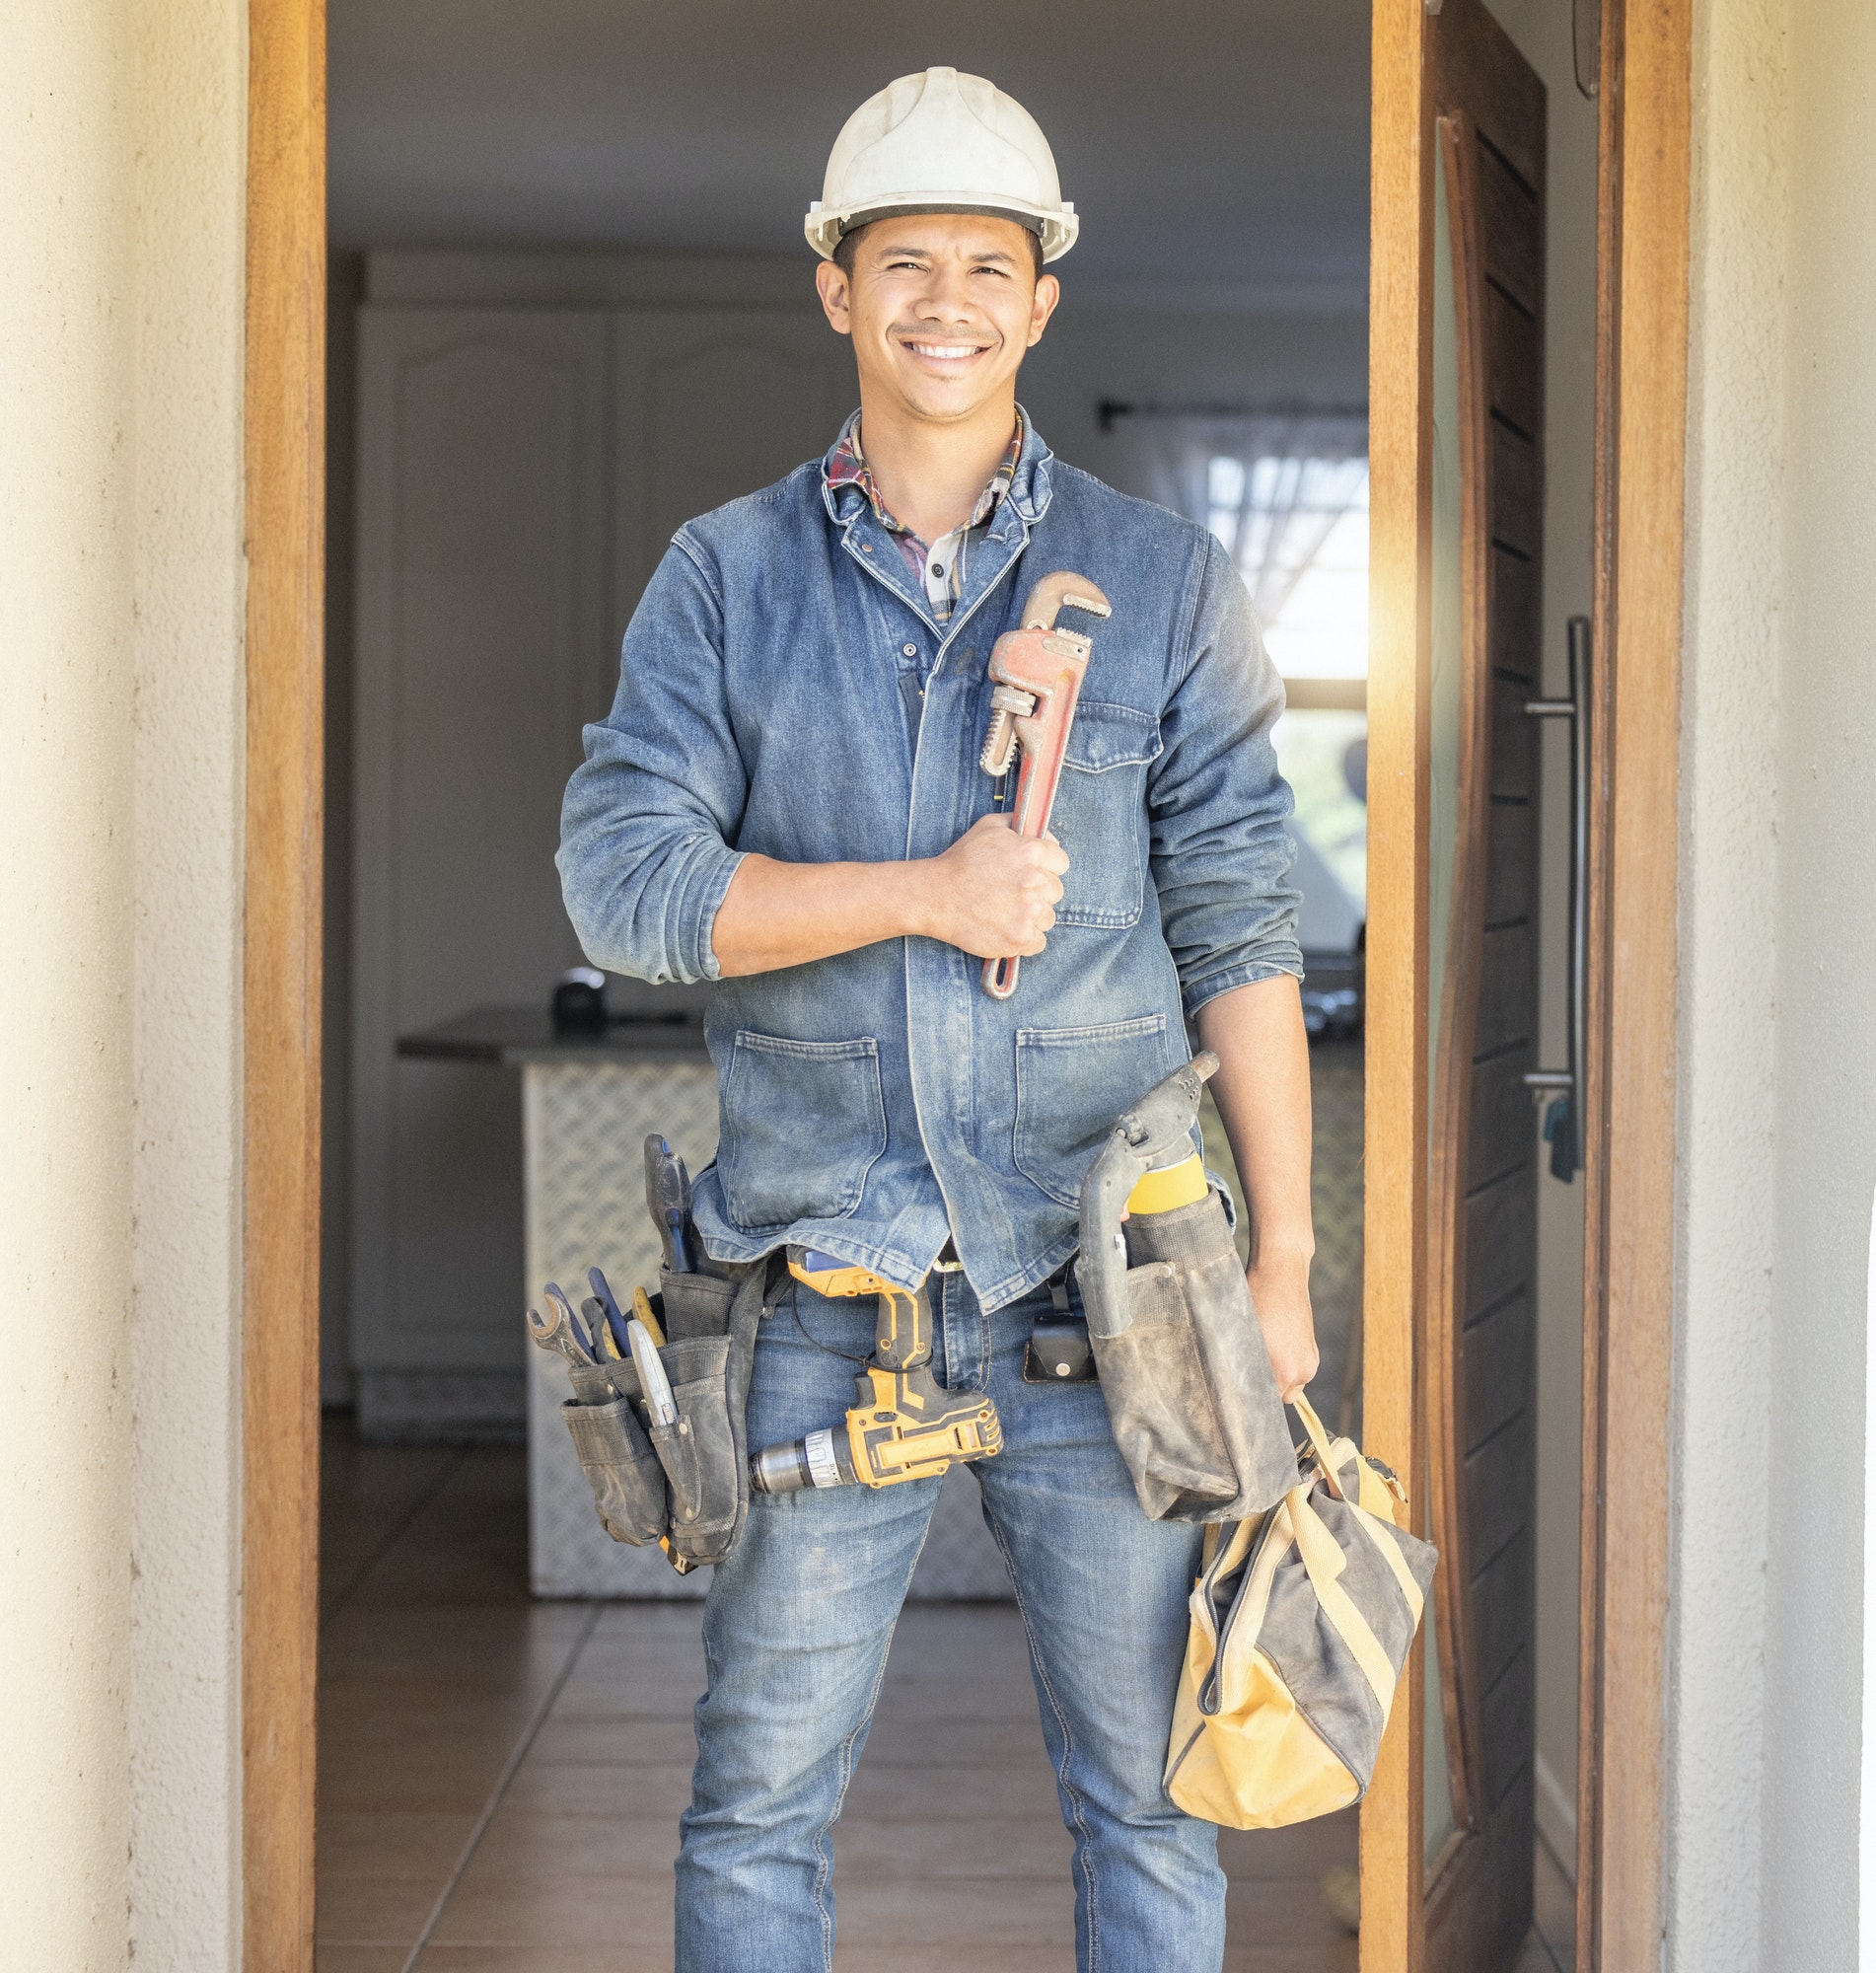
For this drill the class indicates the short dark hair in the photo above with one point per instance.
(849, 243)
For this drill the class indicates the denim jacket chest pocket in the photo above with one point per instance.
(1100, 814)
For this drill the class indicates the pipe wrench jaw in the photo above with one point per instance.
(1062, 591)
(1026, 664)
(1008, 704)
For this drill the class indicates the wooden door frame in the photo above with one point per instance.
(1642, 340)
(1642, 321)
(285, 467)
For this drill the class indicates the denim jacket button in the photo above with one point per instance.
(909, 650)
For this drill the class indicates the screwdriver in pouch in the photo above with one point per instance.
(612, 1314)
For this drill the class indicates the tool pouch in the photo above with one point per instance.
(620, 1467)
(699, 1453)
(1190, 1393)
(713, 1323)
(687, 1481)
(694, 1304)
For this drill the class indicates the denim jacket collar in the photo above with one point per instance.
(1031, 489)
(1005, 536)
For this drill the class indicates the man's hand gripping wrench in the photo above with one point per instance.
(1036, 675)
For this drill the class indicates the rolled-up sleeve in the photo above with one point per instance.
(649, 816)
(1218, 807)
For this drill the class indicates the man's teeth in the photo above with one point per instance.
(946, 351)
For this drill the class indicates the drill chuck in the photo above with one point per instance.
(821, 1459)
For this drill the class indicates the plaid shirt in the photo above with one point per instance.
(939, 567)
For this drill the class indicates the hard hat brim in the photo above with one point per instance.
(825, 230)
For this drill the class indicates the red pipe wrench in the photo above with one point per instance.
(1036, 675)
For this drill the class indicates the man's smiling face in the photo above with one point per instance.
(941, 307)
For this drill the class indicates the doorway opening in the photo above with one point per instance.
(564, 317)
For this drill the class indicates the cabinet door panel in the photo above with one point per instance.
(711, 407)
(481, 645)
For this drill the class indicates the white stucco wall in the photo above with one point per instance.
(66, 768)
(1729, 814)
(120, 584)
(190, 98)
(1778, 946)
(1826, 1118)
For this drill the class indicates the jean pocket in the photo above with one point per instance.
(802, 1124)
(1100, 814)
(1071, 1083)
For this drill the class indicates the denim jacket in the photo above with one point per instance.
(784, 690)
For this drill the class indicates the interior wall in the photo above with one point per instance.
(1543, 31)
(121, 158)
(1094, 352)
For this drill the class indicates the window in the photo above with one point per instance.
(1297, 527)
(1296, 524)
(1287, 495)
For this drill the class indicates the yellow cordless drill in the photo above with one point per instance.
(904, 1426)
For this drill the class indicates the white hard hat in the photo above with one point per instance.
(941, 142)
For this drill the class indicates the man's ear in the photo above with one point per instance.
(1047, 294)
(836, 295)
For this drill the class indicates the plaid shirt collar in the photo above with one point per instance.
(937, 567)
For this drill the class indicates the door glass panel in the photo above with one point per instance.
(1442, 846)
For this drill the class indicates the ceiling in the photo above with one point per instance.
(1212, 146)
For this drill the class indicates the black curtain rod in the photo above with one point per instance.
(1110, 409)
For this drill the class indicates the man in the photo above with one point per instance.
(786, 798)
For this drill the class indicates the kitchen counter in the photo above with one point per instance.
(516, 1036)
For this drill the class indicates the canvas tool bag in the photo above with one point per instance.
(1302, 1619)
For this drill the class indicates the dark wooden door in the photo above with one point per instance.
(1482, 1169)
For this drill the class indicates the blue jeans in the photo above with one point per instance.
(800, 1616)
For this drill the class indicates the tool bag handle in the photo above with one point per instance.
(1319, 1444)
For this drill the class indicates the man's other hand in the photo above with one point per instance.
(993, 893)
(1280, 1288)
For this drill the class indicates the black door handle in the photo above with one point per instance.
(1563, 1118)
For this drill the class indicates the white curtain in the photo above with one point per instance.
(1270, 486)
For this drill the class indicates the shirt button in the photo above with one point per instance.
(910, 651)
(937, 568)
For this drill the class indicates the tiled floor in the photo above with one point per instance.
(500, 1778)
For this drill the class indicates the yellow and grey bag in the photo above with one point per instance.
(1301, 1622)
